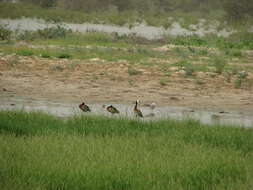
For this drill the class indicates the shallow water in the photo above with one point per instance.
(150, 32)
(66, 110)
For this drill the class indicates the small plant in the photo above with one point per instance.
(13, 61)
(182, 63)
(189, 70)
(53, 32)
(219, 65)
(26, 35)
(199, 81)
(132, 71)
(191, 49)
(163, 82)
(24, 52)
(130, 82)
(64, 55)
(242, 75)
(72, 65)
(238, 83)
(56, 67)
(167, 74)
(94, 77)
(45, 55)
(249, 83)
(227, 76)
(233, 52)
(203, 52)
(5, 34)
(240, 78)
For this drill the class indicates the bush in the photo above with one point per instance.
(238, 9)
(219, 65)
(45, 55)
(132, 71)
(64, 55)
(25, 52)
(5, 34)
(53, 32)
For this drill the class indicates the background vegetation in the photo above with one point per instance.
(235, 9)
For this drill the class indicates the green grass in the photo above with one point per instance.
(132, 71)
(88, 39)
(25, 52)
(108, 54)
(93, 152)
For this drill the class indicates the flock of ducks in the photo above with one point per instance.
(113, 110)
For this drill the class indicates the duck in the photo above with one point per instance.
(84, 107)
(137, 112)
(152, 106)
(112, 109)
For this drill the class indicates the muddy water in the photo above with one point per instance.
(143, 30)
(69, 109)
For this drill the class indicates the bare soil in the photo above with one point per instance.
(97, 81)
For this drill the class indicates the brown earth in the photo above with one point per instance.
(97, 81)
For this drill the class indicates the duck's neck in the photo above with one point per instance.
(135, 107)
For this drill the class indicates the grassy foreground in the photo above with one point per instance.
(40, 151)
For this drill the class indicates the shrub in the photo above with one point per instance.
(64, 55)
(238, 83)
(53, 32)
(163, 82)
(189, 70)
(56, 67)
(25, 52)
(132, 71)
(219, 65)
(45, 55)
(242, 75)
(5, 34)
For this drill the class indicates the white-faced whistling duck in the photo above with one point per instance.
(112, 109)
(84, 107)
(137, 112)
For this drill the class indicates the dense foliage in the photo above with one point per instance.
(235, 9)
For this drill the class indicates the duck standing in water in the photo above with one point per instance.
(84, 107)
(137, 112)
(112, 109)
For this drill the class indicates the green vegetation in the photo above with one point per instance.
(67, 13)
(219, 64)
(24, 52)
(108, 54)
(40, 151)
(163, 82)
(4, 33)
(240, 40)
(132, 71)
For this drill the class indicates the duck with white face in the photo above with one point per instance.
(111, 109)
(137, 111)
(84, 107)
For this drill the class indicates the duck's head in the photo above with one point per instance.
(153, 105)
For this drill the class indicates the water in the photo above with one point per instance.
(149, 32)
(66, 110)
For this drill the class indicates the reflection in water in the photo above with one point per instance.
(68, 110)
(215, 119)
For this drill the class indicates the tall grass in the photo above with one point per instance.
(40, 151)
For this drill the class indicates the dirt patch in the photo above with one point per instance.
(97, 81)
